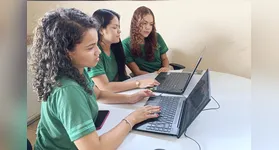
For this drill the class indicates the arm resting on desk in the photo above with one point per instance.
(113, 138)
(103, 84)
(108, 141)
(174, 65)
(110, 97)
(135, 69)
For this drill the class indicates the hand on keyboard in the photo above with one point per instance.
(148, 83)
(143, 113)
(163, 69)
(134, 98)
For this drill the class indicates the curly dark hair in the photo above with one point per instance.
(104, 17)
(150, 42)
(57, 33)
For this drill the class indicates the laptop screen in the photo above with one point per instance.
(195, 103)
(192, 74)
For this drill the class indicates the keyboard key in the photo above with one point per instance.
(167, 125)
(160, 125)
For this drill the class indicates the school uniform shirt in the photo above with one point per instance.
(67, 115)
(143, 64)
(107, 65)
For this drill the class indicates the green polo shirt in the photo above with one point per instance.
(67, 115)
(107, 65)
(144, 65)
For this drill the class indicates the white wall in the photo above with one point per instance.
(224, 26)
(33, 106)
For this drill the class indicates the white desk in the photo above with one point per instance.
(227, 128)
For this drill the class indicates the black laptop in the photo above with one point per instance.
(177, 113)
(174, 82)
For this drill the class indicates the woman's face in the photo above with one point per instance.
(111, 33)
(86, 53)
(146, 25)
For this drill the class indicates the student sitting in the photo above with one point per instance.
(145, 49)
(65, 43)
(110, 70)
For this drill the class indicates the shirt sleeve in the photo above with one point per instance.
(97, 70)
(163, 46)
(127, 52)
(74, 112)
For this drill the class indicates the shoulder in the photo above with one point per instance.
(65, 82)
(159, 37)
(126, 41)
(102, 53)
(126, 45)
(66, 85)
(68, 95)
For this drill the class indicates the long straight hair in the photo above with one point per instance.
(104, 17)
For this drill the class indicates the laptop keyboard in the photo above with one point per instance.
(168, 109)
(173, 81)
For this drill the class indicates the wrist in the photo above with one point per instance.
(137, 84)
(128, 98)
(132, 120)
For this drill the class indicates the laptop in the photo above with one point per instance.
(177, 113)
(174, 82)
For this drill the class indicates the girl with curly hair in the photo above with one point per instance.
(65, 42)
(110, 70)
(145, 49)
